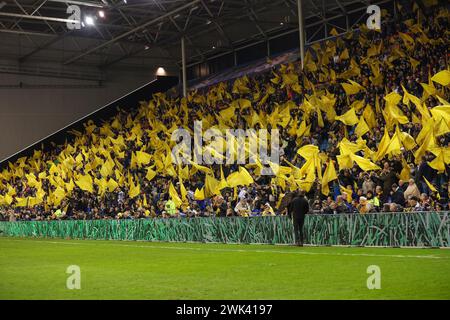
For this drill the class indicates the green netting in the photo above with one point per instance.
(396, 229)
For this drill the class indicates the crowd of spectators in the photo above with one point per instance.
(355, 191)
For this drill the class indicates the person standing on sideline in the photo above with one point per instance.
(297, 209)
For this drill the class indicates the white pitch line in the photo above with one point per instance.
(239, 250)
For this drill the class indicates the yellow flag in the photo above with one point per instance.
(443, 78)
(227, 114)
(183, 191)
(211, 185)
(303, 130)
(334, 32)
(21, 202)
(349, 192)
(134, 189)
(58, 196)
(352, 87)
(407, 140)
(107, 168)
(199, 194)
(369, 117)
(143, 158)
(85, 183)
(201, 168)
(441, 112)
(347, 147)
(363, 163)
(145, 203)
(174, 195)
(383, 146)
(395, 145)
(290, 79)
(328, 176)
(349, 118)
(241, 104)
(405, 174)
(362, 128)
(428, 142)
(344, 55)
(432, 188)
(223, 182)
(150, 174)
(430, 90)
(112, 185)
(414, 62)
(239, 178)
(308, 151)
(439, 162)
(407, 40)
(8, 199)
(102, 186)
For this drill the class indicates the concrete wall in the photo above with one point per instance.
(30, 114)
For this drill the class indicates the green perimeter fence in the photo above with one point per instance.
(430, 229)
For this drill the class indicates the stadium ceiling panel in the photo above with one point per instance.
(133, 33)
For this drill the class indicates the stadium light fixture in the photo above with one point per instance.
(89, 21)
(161, 72)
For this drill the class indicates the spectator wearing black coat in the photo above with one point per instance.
(397, 195)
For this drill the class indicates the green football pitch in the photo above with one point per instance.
(36, 269)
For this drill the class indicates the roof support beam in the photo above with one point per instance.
(27, 16)
(29, 33)
(126, 34)
(81, 3)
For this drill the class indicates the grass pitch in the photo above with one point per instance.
(36, 269)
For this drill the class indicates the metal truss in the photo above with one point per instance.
(149, 32)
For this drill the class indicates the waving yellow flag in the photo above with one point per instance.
(407, 40)
(85, 183)
(150, 174)
(239, 178)
(443, 78)
(352, 87)
(362, 128)
(328, 176)
(199, 194)
(174, 195)
(439, 162)
(432, 188)
(134, 189)
(349, 118)
(112, 185)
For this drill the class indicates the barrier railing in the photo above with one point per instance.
(431, 229)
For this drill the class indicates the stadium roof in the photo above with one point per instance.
(136, 33)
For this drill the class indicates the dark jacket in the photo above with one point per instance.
(398, 197)
(388, 180)
(298, 207)
(284, 204)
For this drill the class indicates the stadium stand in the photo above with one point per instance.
(364, 128)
